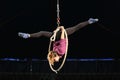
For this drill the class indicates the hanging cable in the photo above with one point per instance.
(58, 14)
(53, 38)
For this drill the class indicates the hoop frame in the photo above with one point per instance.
(53, 39)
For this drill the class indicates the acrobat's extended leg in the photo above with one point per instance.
(42, 33)
(38, 34)
(75, 28)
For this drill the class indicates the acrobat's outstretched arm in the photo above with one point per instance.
(33, 35)
(75, 28)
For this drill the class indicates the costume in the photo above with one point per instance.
(60, 47)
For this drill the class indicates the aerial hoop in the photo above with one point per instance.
(53, 38)
(65, 55)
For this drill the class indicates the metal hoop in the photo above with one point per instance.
(54, 35)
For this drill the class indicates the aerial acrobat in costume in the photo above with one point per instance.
(58, 48)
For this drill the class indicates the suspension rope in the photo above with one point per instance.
(58, 14)
(53, 38)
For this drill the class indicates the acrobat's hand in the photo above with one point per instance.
(24, 35)
(91, 20)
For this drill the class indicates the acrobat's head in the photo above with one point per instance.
(53, 57)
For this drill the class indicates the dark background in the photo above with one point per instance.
(99, 40)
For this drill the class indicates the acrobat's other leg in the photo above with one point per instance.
(75, 28)
(42, 33)
(38, 34)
